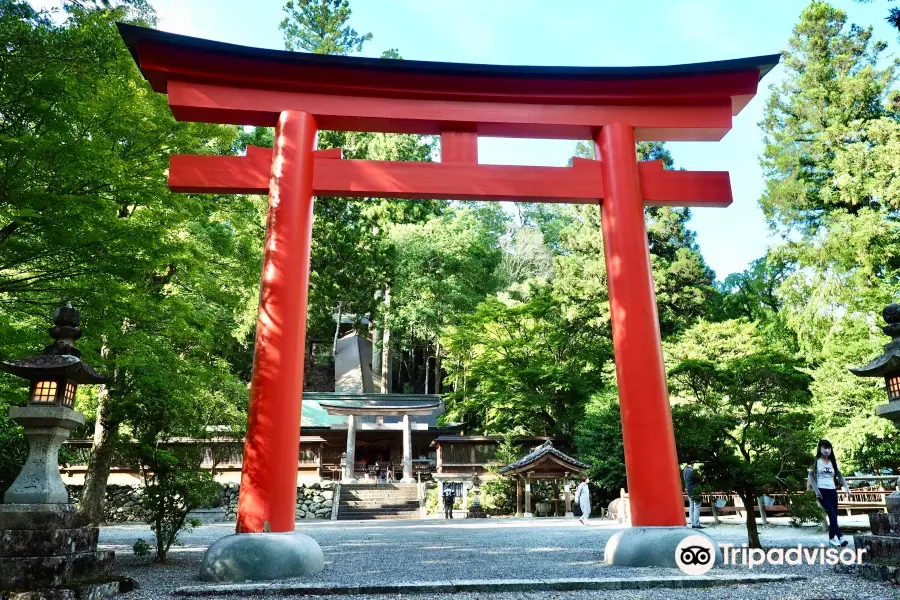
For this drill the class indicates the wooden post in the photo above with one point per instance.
(762, 510)
(465, 499)
(518, 496)
(556, 497)
(528, 512)
(567, 487)
(715, 513)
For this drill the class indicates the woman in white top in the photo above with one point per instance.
(822, 479)
(583, 498)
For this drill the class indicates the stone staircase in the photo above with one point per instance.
(381, 501)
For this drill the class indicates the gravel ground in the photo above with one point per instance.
(396, 551)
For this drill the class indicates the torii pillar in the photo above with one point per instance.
(640, 369)
(271, 449)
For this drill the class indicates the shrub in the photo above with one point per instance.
(804, 508)
(141, 548)
(499, 496)
(431, 501)
(173, 486)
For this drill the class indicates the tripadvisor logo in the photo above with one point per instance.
(695, 555)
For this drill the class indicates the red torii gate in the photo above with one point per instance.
(301, 93)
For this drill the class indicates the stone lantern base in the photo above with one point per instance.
(883, 543)
(49, 551)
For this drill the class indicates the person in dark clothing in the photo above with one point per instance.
(449, 499)
(691, 480)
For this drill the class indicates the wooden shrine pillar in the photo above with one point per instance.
(528, 512)
(556, 497)
(518, 496)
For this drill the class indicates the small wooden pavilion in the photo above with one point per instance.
(546, 462)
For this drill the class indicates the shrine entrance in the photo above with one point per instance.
(301, 93)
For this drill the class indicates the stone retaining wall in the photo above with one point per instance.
(123, 504)
(314, 501)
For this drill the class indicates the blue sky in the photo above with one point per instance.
(578, 33)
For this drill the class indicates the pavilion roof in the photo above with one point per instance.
(546, 453)
(477, 439)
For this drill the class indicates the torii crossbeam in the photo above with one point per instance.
(301, 93)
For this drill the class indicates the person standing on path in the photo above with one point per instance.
(691, 480)
(822, 478)
(449, 500)
(583, 499)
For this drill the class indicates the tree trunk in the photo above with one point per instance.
(337, 330)
(386, 371)
(752, 531)
(437, 367)
(376, 350)
(106, 433)
(413, 372)
(427, 365)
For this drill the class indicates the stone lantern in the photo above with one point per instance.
(48, 418)
(47, 549)
(477, 511)
(887, 366)
(883, 544)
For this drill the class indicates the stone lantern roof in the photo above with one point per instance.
(61, 358)
(889, 361)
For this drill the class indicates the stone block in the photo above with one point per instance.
(877, 572)
(33, 572)
(96, 591)
(47, 542)
(48, 594)
(651, 546)
(885, 524)
(91, 565)
(40, 516)
(880, 549)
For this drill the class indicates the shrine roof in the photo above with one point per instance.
(545, 454)
(330, 409)
(163, 57)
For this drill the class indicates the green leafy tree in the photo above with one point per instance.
(832, 136)
(350, 261)
(598, 443)
(835, 94)
(441, 270)
(753, 293)
(320, 27)
(746, 417)
(519, 364)
(85, 215)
